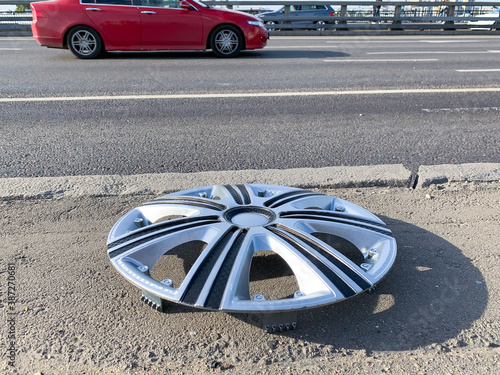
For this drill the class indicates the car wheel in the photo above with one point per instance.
(319, 24)
(226, 41)
(271, 25)
(85, 42)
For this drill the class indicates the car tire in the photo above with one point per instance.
(271, 25)
(226, 41)
(320, 25)
(85, 42)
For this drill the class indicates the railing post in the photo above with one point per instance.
(396, 23)
(343, 13)
(287, 14)
(496, 25)
(450, 13)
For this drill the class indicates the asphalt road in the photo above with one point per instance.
(301, 102)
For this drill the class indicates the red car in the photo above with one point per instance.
(90, 27)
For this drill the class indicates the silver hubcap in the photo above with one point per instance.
(226, 41)
(84, 42)
(320, 23)
(237, 221)
(270, 25)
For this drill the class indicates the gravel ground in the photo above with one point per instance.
(436, 312)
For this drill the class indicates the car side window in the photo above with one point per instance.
(162, 3)
(312, 7)
(110, 2)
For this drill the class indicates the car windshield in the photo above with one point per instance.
(201, 4)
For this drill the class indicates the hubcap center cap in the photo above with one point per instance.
(250, 216)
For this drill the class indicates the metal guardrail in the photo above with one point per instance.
(393, 15)
(350, 15)
(15, 21)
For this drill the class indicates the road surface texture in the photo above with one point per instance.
(438, 310)
(300, 102)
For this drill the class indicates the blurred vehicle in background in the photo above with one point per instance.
(298, 11)
(481, 23)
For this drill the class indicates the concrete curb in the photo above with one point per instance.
(157, 184)
(395, 175)
(445, 173)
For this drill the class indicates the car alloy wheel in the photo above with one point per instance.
(84, 42)
(226, 41)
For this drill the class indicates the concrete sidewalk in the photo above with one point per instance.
(438, 310)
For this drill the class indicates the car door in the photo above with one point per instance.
(295, 10)
(164, 23)
(117, 20)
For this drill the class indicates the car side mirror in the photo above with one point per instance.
(185, 5)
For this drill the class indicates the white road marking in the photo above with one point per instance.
(472, 109)
(451, 41)
(10, 49)
(17, 38)
(384, 60)
(300, 47)
(430, 52)
(384, 39)
(367, 40)
(405, 41)
(253, 95)
(477, 70)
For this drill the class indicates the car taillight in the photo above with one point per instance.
(332, 13)
(36, 13)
